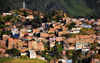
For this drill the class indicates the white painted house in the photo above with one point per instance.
(32, 54)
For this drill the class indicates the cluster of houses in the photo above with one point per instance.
(32, 40)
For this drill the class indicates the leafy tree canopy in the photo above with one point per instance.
(14, 51)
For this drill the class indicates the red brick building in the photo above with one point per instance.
(44, 35)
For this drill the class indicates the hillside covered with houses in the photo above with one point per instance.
(53, 37)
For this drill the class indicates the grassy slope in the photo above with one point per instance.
(17, 60)
(75, 8)
(92, 4)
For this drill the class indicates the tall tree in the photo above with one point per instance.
(36, 21)
(8, 9)
(56, 53)
(74, 57)
(25, 13)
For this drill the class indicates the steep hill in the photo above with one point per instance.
(69, 6)
(92, 4)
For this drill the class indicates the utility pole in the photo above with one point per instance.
(54, 54)
(46, 55)
(54, 58)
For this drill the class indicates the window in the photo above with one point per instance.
(82, 43)
(78, 43)
(91, 36)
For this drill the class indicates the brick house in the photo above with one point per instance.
(97, 23)
(52, 39)
(32, 45)
(52, 44)
(28, 38)
(5, 37)
(24, 30)
(42, 16)
(51, 35)
(8, 28)
(78, 22)
(51, 30)
(35, 44)
(69, 44)
(3, 43)
(41, 46)
(67, 47)
(30, 17)
(71, 40)
(57, 27)
(64, 18)
(84, 40)
(64, 28)
(59, 39)
(21, 34)
(36, 30)
(23, 19)
(7, 23)
(2, 51)
(14, 43)
(91, 21)
(62, 32)
(44, 35)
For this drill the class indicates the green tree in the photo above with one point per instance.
(0, 33)
(35, 25)
(50, 16)
(25, 13)
(58, 17)
(14, 51)
(54, 12)
(63, 15)
(74, 57)
(93, 47)
(7, 18)
(60, 62)
(56, 53)
(59, 47)
(38, 52)
(71, 25)
(2, 20)
(66, 35)
(8, 9)
(36, 21)
(46, 17)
